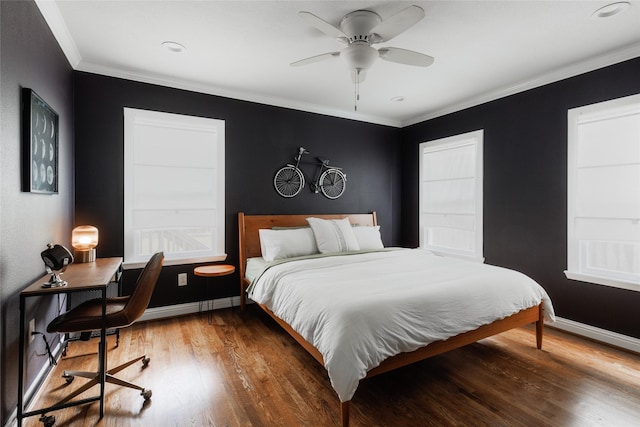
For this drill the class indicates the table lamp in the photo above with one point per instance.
(84, 240)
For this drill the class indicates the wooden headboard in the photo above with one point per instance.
(249, 238)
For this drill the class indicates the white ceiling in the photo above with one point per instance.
(242, 49)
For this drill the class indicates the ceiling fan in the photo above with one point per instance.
(360, 30)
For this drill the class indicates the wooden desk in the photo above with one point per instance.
(80, 277)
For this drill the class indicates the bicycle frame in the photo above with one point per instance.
(324, 165)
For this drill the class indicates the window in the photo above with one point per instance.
(451, 195)
(603, 221)
(174, 187)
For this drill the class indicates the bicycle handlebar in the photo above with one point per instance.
(303, 150)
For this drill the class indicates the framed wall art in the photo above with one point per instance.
(39, 145)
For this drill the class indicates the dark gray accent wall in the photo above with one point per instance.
(525, 188)
(259, 140)
(29, 57)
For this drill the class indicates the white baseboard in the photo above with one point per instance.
(13, 419)
(597, 334)
(188, 308)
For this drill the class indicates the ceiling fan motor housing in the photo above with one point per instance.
(358, 25)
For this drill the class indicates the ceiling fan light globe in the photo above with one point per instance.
(359, 56)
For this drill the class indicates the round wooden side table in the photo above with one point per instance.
(209, 271)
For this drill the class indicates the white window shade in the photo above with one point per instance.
(604, 193)
(174, 187)
(451, 195)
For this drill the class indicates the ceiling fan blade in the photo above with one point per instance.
(323, 26)
(398, 23)
(316, 58)
(404, 56)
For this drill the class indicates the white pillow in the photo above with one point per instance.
(280, 244)
(368, 237)
(333, 235)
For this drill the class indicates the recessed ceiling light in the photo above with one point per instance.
(397, 98)
(173, 47)
(611, 9)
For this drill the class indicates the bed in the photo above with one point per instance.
(386, 296)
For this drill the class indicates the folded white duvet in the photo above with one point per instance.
(360, 309)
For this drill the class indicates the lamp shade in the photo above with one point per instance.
(84, 237)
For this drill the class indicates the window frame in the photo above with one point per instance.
(475, 138)
(601, 110)
(133, 116)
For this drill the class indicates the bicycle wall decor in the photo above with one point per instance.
(290, 179)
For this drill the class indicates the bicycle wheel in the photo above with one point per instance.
(288, 181)
(333, 183)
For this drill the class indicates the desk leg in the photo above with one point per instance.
(21, 362)
(102, 350)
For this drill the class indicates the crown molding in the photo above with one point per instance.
(616, 56)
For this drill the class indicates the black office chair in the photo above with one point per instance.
(121, 312)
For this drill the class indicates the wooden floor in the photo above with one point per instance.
(245, 371)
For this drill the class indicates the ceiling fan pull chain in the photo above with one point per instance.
(356, 89)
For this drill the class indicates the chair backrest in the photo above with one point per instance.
(146, 283)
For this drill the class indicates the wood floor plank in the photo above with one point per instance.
(244, 370)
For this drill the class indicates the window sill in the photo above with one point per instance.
(177, 261)
(621, 284)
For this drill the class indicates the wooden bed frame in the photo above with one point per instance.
(249, 245)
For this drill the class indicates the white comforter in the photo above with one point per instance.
(360, 309)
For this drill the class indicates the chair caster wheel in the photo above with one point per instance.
(145, 362)
(146, 394)
(68, 378)
(48, 420)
